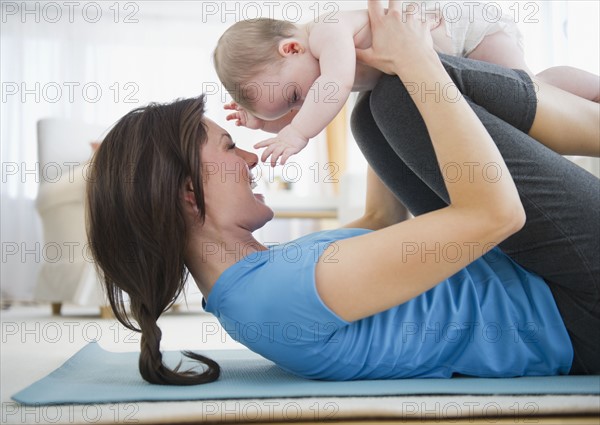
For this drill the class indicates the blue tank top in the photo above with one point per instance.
(491, 319)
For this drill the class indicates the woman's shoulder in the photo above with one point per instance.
(266, 271)
(299, 256)
(330, 235)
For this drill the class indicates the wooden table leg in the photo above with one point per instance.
(106, 312)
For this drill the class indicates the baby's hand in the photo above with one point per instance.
(287, 142)
(243, 117)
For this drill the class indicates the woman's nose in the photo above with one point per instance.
(250, 158)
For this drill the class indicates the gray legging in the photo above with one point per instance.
(561, 239)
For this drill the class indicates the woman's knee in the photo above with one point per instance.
(364, 128)
(390, 98)
(398, 118)
(361, 116)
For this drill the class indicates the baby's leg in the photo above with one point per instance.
(577, 81)
(567, 124)
(500, 48)
(580, 137)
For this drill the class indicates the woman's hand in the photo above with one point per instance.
(398, 39)
(242, 117)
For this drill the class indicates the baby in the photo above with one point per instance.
(294, 79)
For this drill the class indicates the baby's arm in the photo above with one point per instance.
(333, 45)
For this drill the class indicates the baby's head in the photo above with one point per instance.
(247, 49)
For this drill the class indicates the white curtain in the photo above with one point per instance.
(79, 63)
(95, 62)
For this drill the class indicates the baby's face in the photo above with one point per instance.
(282, 89)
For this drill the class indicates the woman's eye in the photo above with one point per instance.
(231, 146)
(295, 97)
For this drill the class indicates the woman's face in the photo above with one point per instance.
(227, 181)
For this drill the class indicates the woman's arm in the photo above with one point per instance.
(379, 270)
(382, 208)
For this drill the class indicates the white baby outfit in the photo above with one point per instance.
(467, 23)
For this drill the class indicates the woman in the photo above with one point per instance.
(428, 297)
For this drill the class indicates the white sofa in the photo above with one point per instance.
(67, 274)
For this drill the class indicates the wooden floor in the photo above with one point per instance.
(30, 352)
(545, 420)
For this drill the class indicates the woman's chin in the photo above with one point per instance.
(267, 213)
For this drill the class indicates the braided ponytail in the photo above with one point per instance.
(152, 367)
(136, 226)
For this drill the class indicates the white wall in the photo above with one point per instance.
(141, 51)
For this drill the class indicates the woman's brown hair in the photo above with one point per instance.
(136, 226)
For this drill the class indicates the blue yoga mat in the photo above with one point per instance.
(94, 375)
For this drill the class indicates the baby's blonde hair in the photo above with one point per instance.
(245, 50)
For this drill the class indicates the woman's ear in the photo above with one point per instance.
(187, 195)
(290, 46)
